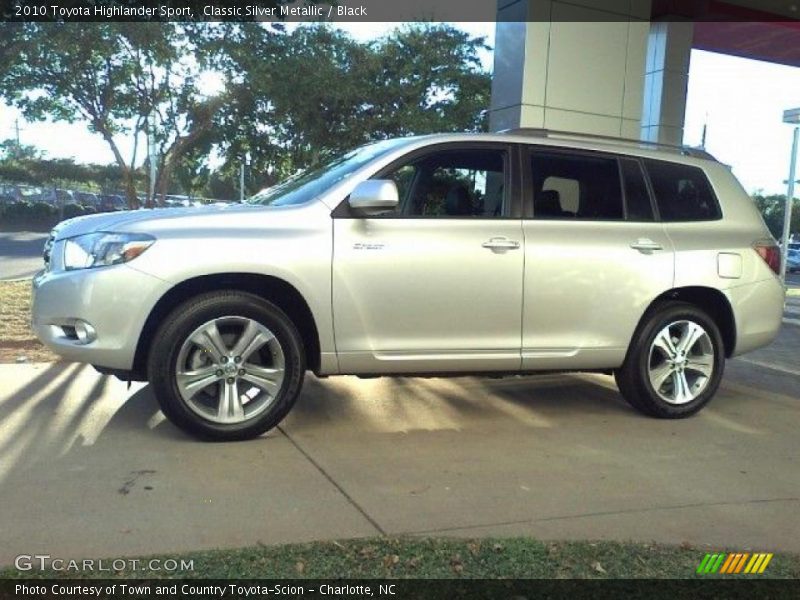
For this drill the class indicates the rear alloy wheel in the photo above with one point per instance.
(675, 364)
(227, 366)
(681, 362)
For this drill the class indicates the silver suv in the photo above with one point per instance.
(455, 254)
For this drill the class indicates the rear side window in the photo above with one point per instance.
(682, 193)
(576, 186)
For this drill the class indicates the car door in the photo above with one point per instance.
(436, 284)
(595, 258)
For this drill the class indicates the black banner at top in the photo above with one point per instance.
(396, 10)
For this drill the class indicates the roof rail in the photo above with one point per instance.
(552, 133)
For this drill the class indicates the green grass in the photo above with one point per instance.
(449, 558)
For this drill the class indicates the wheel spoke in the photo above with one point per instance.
(211, 341)
(681, 392)
(265, 378)
(191, 382)
(701, 364)
(664, 343)
(230, 403)
(251, 339)
(659, 375)
(691, 334)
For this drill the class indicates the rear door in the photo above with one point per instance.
(595, 257)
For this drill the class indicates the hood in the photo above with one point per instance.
(156, 219)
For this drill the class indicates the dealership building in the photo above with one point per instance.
(621, 67)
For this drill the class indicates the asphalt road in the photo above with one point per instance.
(20, 254)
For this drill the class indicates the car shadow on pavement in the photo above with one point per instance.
(69, 408)
(397, 404)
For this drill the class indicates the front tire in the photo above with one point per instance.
(675, 362)
(226, 366)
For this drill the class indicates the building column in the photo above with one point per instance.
(666, 81)
(576, 66)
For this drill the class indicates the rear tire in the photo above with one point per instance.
(226, 366)
(675, 362)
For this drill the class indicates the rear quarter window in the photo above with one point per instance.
(683, 193)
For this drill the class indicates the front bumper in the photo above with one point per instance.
(115, 301)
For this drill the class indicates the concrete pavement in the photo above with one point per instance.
(90, 469)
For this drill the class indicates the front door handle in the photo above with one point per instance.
(646, 245)
(501, 243)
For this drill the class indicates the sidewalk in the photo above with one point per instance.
(90, 469)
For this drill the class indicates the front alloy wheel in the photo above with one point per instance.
(230, 369)
(226, 365)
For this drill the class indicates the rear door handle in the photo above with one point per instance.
(645, 244)
(501, 243)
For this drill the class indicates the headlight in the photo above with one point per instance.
(102, 249)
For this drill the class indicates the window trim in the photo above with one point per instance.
(512, 202)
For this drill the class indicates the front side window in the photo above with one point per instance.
(452, 184)
(575, 186)
(683, 193)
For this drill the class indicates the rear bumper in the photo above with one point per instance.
(758, 312)
(115, 301)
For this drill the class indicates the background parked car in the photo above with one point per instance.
(793, 258)
(111, 203)
(87, 199)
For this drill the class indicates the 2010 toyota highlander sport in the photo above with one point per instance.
(449, 254)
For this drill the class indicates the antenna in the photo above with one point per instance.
(705, 132)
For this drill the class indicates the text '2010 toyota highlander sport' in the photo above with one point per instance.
(439, 255)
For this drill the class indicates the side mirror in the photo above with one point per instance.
(374, 195)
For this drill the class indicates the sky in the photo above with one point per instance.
(741, 101)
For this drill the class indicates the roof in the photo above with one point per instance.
(610, 140)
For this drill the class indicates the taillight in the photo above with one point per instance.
(771, 253)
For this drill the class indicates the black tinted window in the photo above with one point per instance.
(575, 187)
(682, 193)
(637, 198)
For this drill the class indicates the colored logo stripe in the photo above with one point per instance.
(734, 563)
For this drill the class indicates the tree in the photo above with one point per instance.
(13, 150)
(290, 99)
(114, 76)
(428, 79)
(298, 97)
(773, 208)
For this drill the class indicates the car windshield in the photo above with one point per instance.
(307, 185)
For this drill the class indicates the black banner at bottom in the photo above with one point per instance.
(401, 589)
